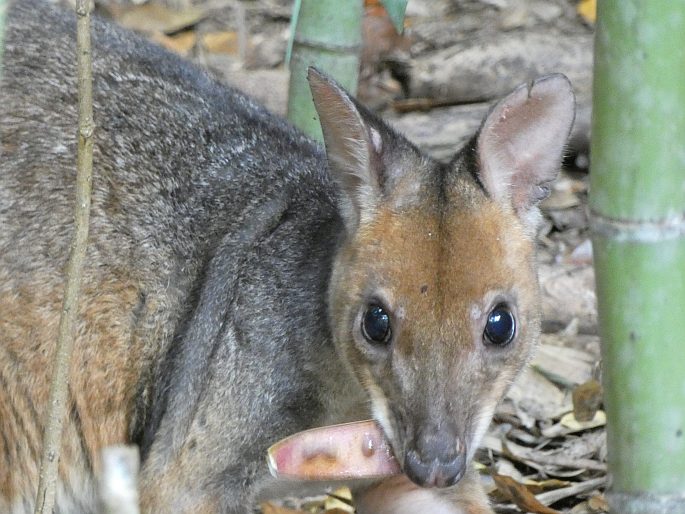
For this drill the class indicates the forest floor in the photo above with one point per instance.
(546, 449)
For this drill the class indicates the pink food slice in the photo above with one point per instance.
(336, 452)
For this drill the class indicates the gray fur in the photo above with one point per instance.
(223, 213)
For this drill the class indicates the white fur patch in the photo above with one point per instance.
(380, 409)
(376, 140)
(484, 419)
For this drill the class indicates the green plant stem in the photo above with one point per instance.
(328, 36)
(638, 221)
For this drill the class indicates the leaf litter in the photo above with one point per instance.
(545, 451)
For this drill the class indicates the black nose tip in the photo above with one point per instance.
(432, 469)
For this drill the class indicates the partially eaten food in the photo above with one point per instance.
(336, 452)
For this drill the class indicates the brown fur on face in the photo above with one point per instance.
(438, 271)
(436, 250)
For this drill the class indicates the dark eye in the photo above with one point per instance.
(376, 325)
(501, 326)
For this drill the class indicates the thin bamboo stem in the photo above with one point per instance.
(396, 10)
(59, 385)
(328, 36)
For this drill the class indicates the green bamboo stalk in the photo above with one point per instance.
(59, 384)
(328, 36)
(637, 207)
(396, 10)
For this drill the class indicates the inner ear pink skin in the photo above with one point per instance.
(346, 451)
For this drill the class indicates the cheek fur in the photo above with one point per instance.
(380, 408)
(481, 425)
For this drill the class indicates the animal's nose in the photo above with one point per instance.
(435, 459)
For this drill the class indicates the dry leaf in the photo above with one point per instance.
(270, 508)
(580, 508)
(339, 501)
(505, 467)
(598, 504)
(568, 292)
(536, 487)
(313, 506)
(587, 398)
(151, 18)
(520, 495)
(588, 10)
(566, 367)
(581, 254)
(589, 444)
(564, 193)
(559, 200)
(221, 42)
(574, 490)
(549, 461)
(571, 423)
(181, 43)
(538, 398)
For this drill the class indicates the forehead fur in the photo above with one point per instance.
(439, 256)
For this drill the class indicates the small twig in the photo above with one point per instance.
(59, 386)
(566, 462)
(119, 480)
(406, 105)
(554, 496)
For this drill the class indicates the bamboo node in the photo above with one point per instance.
(637, 231)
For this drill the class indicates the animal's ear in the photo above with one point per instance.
(353, 147)
(521, 143)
